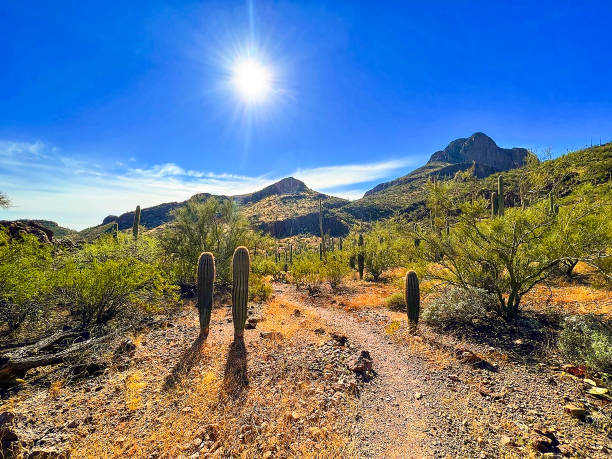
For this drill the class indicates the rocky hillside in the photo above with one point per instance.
(407, 195)
(285, 208)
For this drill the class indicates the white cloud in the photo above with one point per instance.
(331, 177)
(43, 183)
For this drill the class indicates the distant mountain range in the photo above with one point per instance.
(289, 207)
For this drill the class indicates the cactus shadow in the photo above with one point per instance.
(186, 362)
(235, 378)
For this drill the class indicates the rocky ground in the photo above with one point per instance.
(336, 375)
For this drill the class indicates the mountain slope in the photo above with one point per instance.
(407, 194)
(283, 209)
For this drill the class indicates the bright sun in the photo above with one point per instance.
(252, 80)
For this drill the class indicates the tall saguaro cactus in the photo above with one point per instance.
(206, 280)
(136, 226)
(500, 196)
(360, 257)
(241, 266)
(321, 226)
(494, 204)
(412, 298)
(116, 231)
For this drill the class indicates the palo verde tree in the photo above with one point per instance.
(508, 255)
(210, 226)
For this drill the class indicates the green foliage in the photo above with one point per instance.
(395, 302)
(306, 271)
(265, 266)
(25, 278)
(587, 339)
(199, 227)
(259, 288)
(335, 267)
(381, 250)
(112, 276)
(508, 255)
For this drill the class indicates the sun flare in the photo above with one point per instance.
(252, 80)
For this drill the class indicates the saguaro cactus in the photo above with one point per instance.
(290, 254)
(500, 196)
(241, 265)
(494, 204)
(136, 226)
(116, 231)
(360, 257)
(412, 298)
(206, 279)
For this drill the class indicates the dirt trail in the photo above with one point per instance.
(394, 418)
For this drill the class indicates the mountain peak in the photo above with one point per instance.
(286, 186)
(481, 148)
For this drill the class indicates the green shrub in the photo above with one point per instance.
(266, 267)
(111, 276)
(306, 271)
(334, 268)
(587, 340)
(458, 307)
(25, 282)
(396, 302)
(259, 288)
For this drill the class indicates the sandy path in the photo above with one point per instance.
(393, 422)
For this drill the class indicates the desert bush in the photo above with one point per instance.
(382, 245)
(396, 302)
(306, 271)
(25, 282)
(335, 267)
(259, 288)
(587, 339)
(458, 307)
(111, 276)
(266, 267)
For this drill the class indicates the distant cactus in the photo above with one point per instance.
(241, 266)
(322, 247)
(290, 254)
(500, 196)
(206, 279)
(412, 298)
(320, 250)
(116, 231)
(360, 257)
(340, 243)
(494, 204)
(136, 226)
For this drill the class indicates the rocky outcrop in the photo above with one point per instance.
(18, 227)
(482, 150)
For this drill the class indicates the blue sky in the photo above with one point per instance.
(105, 105)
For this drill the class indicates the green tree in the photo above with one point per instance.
(209, 226)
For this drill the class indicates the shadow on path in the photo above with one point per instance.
(187, 361)
(235, 377)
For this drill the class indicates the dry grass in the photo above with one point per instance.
(280, 412)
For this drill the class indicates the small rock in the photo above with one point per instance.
(418, 396)
(362, 364)
(574, 411)
(506, 441)
(319, 331)
(251, 323)
(273, 335)
(297, 313)
(339, 339)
